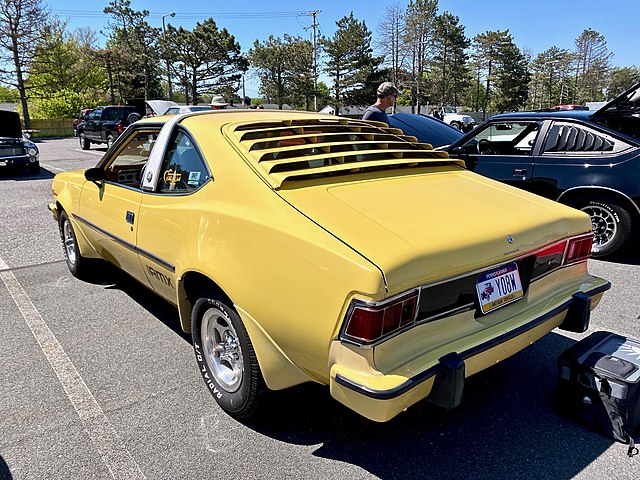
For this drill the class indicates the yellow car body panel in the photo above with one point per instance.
(300, 216)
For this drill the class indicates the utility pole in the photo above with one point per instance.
(314, 25)
(164, 33)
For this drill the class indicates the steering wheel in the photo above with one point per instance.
(486, 147)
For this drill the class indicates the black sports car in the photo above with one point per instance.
(16, 151)
(587, 159)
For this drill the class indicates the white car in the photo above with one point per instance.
(186, 109)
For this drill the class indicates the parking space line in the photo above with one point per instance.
(49, 167)
(113, 452)
(88, 151)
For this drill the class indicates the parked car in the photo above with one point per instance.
(589, 160)
(304, 247)
(425, 128)
(186, 109)
(16, 150)
(449, 115)
(79, 119)
(105, 124)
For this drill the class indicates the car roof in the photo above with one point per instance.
(425, 128)
(540, 114)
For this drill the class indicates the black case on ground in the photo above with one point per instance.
(599, 384)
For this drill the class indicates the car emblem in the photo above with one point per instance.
(509, 239)
(149, 176)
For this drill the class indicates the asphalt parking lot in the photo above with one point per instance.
(98, 382)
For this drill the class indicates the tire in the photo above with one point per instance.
(76, 263)
(611, 225)
(34, 168)
(226, 358)
(456, 125)
(110, 141)
(85, 144)
(133, 117)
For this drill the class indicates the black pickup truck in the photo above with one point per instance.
(105, 124)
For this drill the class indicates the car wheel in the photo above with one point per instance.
(456, 125)
(226, 358)
(110, 140)
(611, 225)
(84, 142)
(34, 168)
(75, 261)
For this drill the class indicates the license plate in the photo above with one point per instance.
(499, 288)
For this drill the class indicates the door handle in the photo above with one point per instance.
(519, 172)
(130, 216)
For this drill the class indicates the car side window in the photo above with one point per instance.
(183, 170)
(568, 138)
(128, 164)
(504, 138)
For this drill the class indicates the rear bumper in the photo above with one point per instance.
(381, 397)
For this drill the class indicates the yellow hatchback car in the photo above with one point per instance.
(306, 247)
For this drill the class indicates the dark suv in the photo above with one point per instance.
(16, 150)
(589, 160)
(105, 124)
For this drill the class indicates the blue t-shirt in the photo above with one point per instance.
(374, 113)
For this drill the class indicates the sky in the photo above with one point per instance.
(535, 25)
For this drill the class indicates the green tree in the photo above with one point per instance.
(418, 44)
(550, 79)
(513, 79)
(592, 64)
(9, 95)
(21, 24)
(504, 67)
(285, 70)
(131, 31)
(62, 78)
(351, 61)
(207, 60)
(449, 69)
(620, 79)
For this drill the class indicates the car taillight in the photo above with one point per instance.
(574, 250)
(548, 259)
(579, 249)
(367, 323)
(120, 128)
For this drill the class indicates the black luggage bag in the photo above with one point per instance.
(599, 385)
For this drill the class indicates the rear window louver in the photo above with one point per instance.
(305, 149)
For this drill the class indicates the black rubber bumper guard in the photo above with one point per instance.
(448, 385)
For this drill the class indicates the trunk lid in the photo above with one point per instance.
(423, 227)
(627, 103)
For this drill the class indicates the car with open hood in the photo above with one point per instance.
(302, 247)
(589, 160)
(17, 151)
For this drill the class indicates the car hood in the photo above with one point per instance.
(627, 103)
(425, 227)
(10, 124)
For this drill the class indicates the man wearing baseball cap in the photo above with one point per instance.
(387, 93)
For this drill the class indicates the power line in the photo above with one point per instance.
(188, 16)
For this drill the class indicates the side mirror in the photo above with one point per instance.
(457, 151)
(94, 174)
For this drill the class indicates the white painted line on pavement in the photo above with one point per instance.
(88, 151)
(49, 167)
(114, 454)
